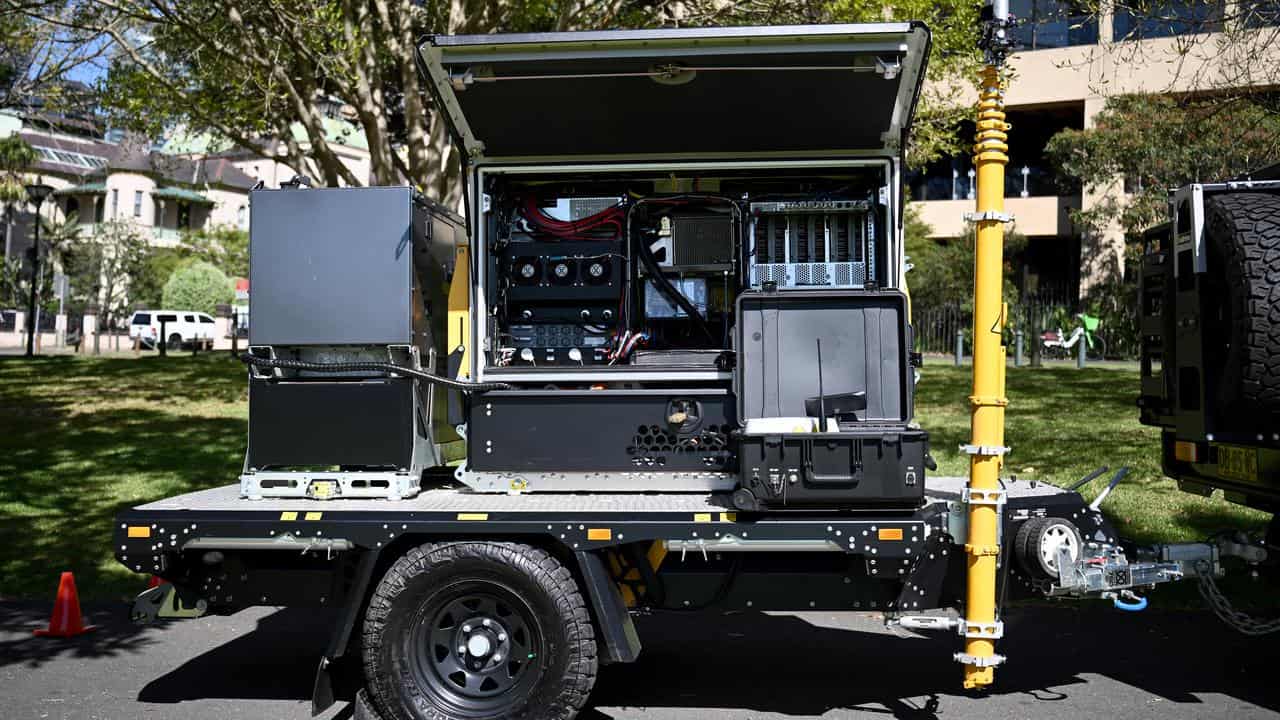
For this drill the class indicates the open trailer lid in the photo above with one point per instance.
(704, 92)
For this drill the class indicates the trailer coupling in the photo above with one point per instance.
(1107, 573)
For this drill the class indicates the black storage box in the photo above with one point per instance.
(874, 459)
(842, 470)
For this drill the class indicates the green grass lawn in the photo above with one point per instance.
(81, 438)
(1063, 423)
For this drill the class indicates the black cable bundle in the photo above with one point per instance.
(283, 364)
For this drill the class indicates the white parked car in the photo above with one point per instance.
(181, 328)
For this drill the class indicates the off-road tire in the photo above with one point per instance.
(402, 604)
(1243, 233)
(1026, 546)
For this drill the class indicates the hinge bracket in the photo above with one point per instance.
(974, 660)
(988, 450)
(988, 215)
(973, 496)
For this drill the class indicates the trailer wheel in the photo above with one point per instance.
(1037, 542)
(478, 631)
(1243, 230)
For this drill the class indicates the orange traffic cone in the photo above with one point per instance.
(67, 620)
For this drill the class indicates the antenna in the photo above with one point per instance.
(822, 400)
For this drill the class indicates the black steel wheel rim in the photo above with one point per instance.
(476, 646)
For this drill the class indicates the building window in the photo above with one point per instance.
(137, 203)
(99, 208)
(115, 203)
(73, 207)
(1053, 23)
(1167, 19)
(242, 216)
(66, 157)
(184, 215)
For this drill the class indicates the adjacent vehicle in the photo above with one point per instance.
(672, 334)
(1210, 294)
(175, 328)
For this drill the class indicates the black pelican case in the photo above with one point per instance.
(875, 459)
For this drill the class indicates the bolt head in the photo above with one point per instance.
(466, 628)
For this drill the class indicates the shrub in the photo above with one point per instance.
(199, 286)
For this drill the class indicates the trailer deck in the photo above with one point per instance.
(458, 499)
(220, 519)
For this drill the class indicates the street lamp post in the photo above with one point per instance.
(36, 194)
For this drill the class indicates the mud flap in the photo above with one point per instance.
(619, 642)
(322, 691)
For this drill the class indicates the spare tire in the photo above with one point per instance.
(1243, 234)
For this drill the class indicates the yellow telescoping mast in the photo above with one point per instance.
(985, 498)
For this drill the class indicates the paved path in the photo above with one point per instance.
(1063, 664)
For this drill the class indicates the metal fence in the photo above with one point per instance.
(8, 321)
(937, 328)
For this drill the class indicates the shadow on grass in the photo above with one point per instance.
(210, 376)
(66, 472)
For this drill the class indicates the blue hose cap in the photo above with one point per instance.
(1137, 605)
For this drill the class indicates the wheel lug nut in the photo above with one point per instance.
(466, 628)
(502, 637)
(485, 623)
(497, 657)
(462, 649)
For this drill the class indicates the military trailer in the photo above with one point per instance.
(662, 364)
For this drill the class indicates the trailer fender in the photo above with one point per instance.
(322, 691)
(619, 642)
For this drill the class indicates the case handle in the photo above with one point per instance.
(816, 478)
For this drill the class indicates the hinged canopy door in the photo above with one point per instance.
(706, 92)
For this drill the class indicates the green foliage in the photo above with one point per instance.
(16, 41)
(198, 286)
(954, 62)
(1156, 142)
(146, 288)
(15, 156)
(244, 71)
(100, 264)
(1159, 142)
(223, 246)
(56, 241)
(942, 272)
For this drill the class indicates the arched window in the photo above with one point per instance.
(242, 216)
